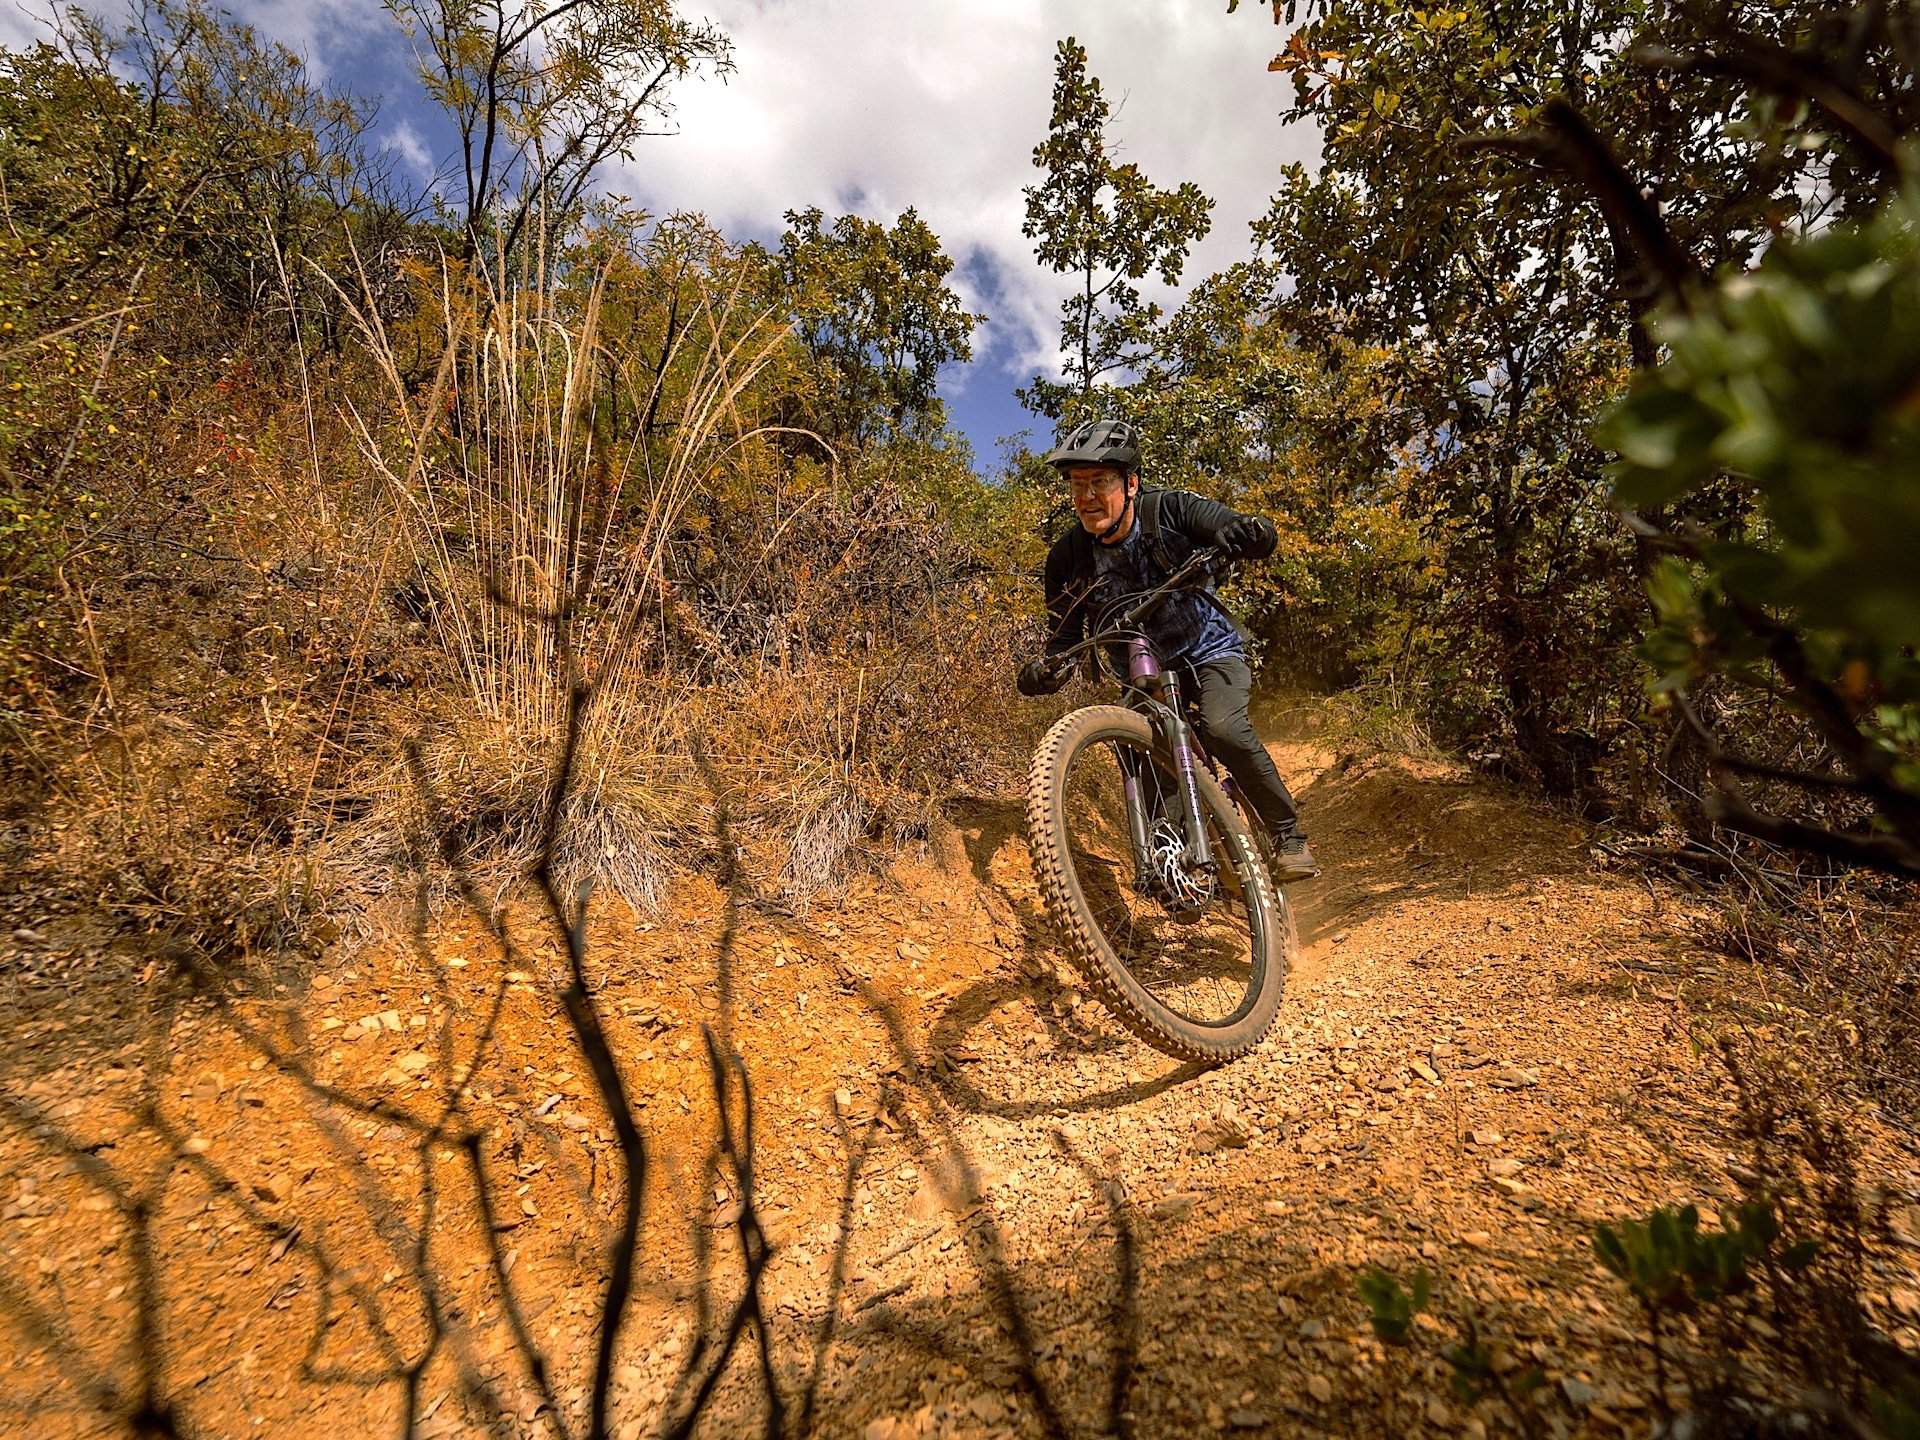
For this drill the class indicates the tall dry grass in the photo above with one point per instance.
(536, 558)
(402, 561)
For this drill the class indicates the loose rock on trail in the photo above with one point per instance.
(1484, 1049)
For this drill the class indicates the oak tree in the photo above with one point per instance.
(872, 306)
(1109, 227)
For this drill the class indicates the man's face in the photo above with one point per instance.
(1099, 495)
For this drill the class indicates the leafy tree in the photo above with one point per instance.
(544, 92)
(1476, 297)
(183, 207)
(1509, 312)
(1797, 380)
(873, 309)
(1768, 456)
(1108, 226)
(1234, 406)
(178, 142)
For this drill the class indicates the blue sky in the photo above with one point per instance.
(872, 106)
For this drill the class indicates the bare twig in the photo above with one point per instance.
(1123, 1316)
(837, 1275)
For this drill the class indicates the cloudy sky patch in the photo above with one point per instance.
(873, 106)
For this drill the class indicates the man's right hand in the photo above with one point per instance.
(1041, 675)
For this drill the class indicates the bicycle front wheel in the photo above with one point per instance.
(1193, 963)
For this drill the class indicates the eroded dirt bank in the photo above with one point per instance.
(1487, 1046)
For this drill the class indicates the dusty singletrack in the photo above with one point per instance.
(1485, 1048)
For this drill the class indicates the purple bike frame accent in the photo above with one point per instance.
(1143, 668)
(1142, 665)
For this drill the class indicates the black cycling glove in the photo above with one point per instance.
(1041, 675)
(1248, 538)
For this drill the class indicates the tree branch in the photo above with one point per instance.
(1769, 67)
(1563, 142)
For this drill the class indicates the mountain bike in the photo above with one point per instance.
(1145, 861)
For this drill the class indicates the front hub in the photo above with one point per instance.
(1184, 886)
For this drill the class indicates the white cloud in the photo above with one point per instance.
(330, 34)
(404, 139)
(21, 26)
(875, 105)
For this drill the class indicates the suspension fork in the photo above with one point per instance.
(1180, 736)
(1143, 668)
(1136, 819)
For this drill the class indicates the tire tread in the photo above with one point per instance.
(1045, 776)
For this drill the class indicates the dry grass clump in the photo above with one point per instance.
(1366, 719)
(199, 835)
(832, 771)
(535, 547)
(483, 781)
(862, 667)
(340, 613)
(1850, 947)
(715, 618)
(229, 632)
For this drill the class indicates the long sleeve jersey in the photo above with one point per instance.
(1084, 577)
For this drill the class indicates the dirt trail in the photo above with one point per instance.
(1483, 1049)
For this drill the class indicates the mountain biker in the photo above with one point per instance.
(1130, 539)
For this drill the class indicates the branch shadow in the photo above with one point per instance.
(986, 827)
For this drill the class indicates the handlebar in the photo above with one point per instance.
(1199, 563)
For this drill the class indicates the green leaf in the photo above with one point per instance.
(1391, 1306)
(1610, 1250)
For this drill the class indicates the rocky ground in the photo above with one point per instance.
(244, 1221)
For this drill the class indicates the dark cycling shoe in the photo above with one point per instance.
(1292, 859)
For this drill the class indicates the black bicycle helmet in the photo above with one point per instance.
(1099, 442)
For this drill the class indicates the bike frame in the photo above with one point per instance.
(1154, 690)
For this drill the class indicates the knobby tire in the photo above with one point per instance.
(1270, 920)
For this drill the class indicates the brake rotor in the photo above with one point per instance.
(1182, 887)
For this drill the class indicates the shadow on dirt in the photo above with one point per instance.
(967, 1085)
(993, 834)
(1389, 830)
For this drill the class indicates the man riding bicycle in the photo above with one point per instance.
(1130, 539)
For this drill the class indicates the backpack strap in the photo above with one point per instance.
(1080, 545)
(1148, 507)
(1150, 536)
(1079, 573)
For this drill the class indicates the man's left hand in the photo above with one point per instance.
(1041, 676)
(1248, 538)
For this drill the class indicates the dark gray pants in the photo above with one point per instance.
(1220, 688)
